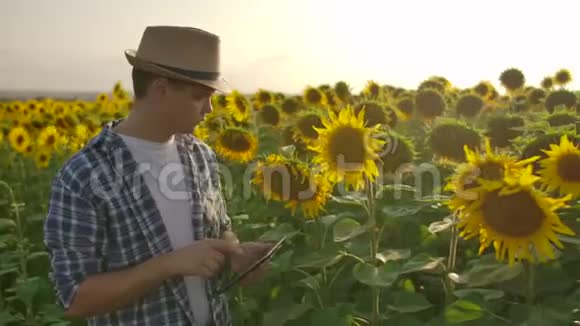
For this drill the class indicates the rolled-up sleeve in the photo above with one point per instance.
(73, 237)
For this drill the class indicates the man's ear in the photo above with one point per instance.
(160, 86)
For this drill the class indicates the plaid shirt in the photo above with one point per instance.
(102, 218)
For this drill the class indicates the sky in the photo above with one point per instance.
(72, 45)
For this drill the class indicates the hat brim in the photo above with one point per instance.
(220, 84)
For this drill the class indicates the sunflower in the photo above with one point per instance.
(269, 114)
(406, 106)
(239, 106)
(502, 129)
(512, 79)
(291, 181)
(346, 149)
(342, 91)
(237, 144)
(561, 119)
(263, 97)
(219, 102)
(290, 105)
(469, 105)
(560, 169)
(518, 219)
(305, 127)
(42, 158)
(562, 77)
(449, 138)
(48, 138)
(491, 167)
(547, 83)
(374, 113)
(538, 145)
(560, 98)
(19, 139)
(372, 90)
(102, 98)
(536, 95)
(484, 89)
(396, 152)
(432, 84)
(314, 96)
(429, 104)
(201, 132)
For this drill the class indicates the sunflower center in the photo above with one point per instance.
(313, 96)
(568, 167)
(236, 141)
(346, 145)
(289, 185)
(50, 140)
(307, 124)
(514, 215)
(240, 104)
(19, 139)
(486, 171)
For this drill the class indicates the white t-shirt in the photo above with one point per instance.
(164, 177)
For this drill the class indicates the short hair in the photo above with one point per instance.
(143, 79)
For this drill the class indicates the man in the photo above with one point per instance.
(136, 229)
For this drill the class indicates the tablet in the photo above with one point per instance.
(254, 266)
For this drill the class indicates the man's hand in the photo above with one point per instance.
(203, 258)
(251, 252)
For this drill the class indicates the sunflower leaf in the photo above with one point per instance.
(439, 226)
(462, 310)
(347, 228)
(407, 302)
(284, 229)
(421, 262)
(383, 276)
(485, 272)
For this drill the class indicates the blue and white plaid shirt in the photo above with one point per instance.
(102, 218)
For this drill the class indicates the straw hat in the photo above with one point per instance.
(184, 53)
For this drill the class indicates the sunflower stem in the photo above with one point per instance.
(531, 291)
(321, 237)
(374, 245)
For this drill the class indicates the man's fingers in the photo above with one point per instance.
(226, 247)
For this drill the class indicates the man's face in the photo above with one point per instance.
(186, 105)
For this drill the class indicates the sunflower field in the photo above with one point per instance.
(430, 206)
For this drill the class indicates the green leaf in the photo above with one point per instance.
(569, 240)
(282, 230)
(325, 257)
(7, 318)
(421, 262)
(329, 317)
(51, 313)
(382, 276)
(27, 290)
(281, 315)
(402, 210)
(8, 270)
(462, 311)
(356, 200)
(486, 272)
(487, 294)
(407, 302)
(439, 226)
(393, 254)
(7, 225)
(347, 228)
(311, 282)
(330, 220)
(38, 255)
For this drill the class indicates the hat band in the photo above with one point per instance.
(195, 74)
